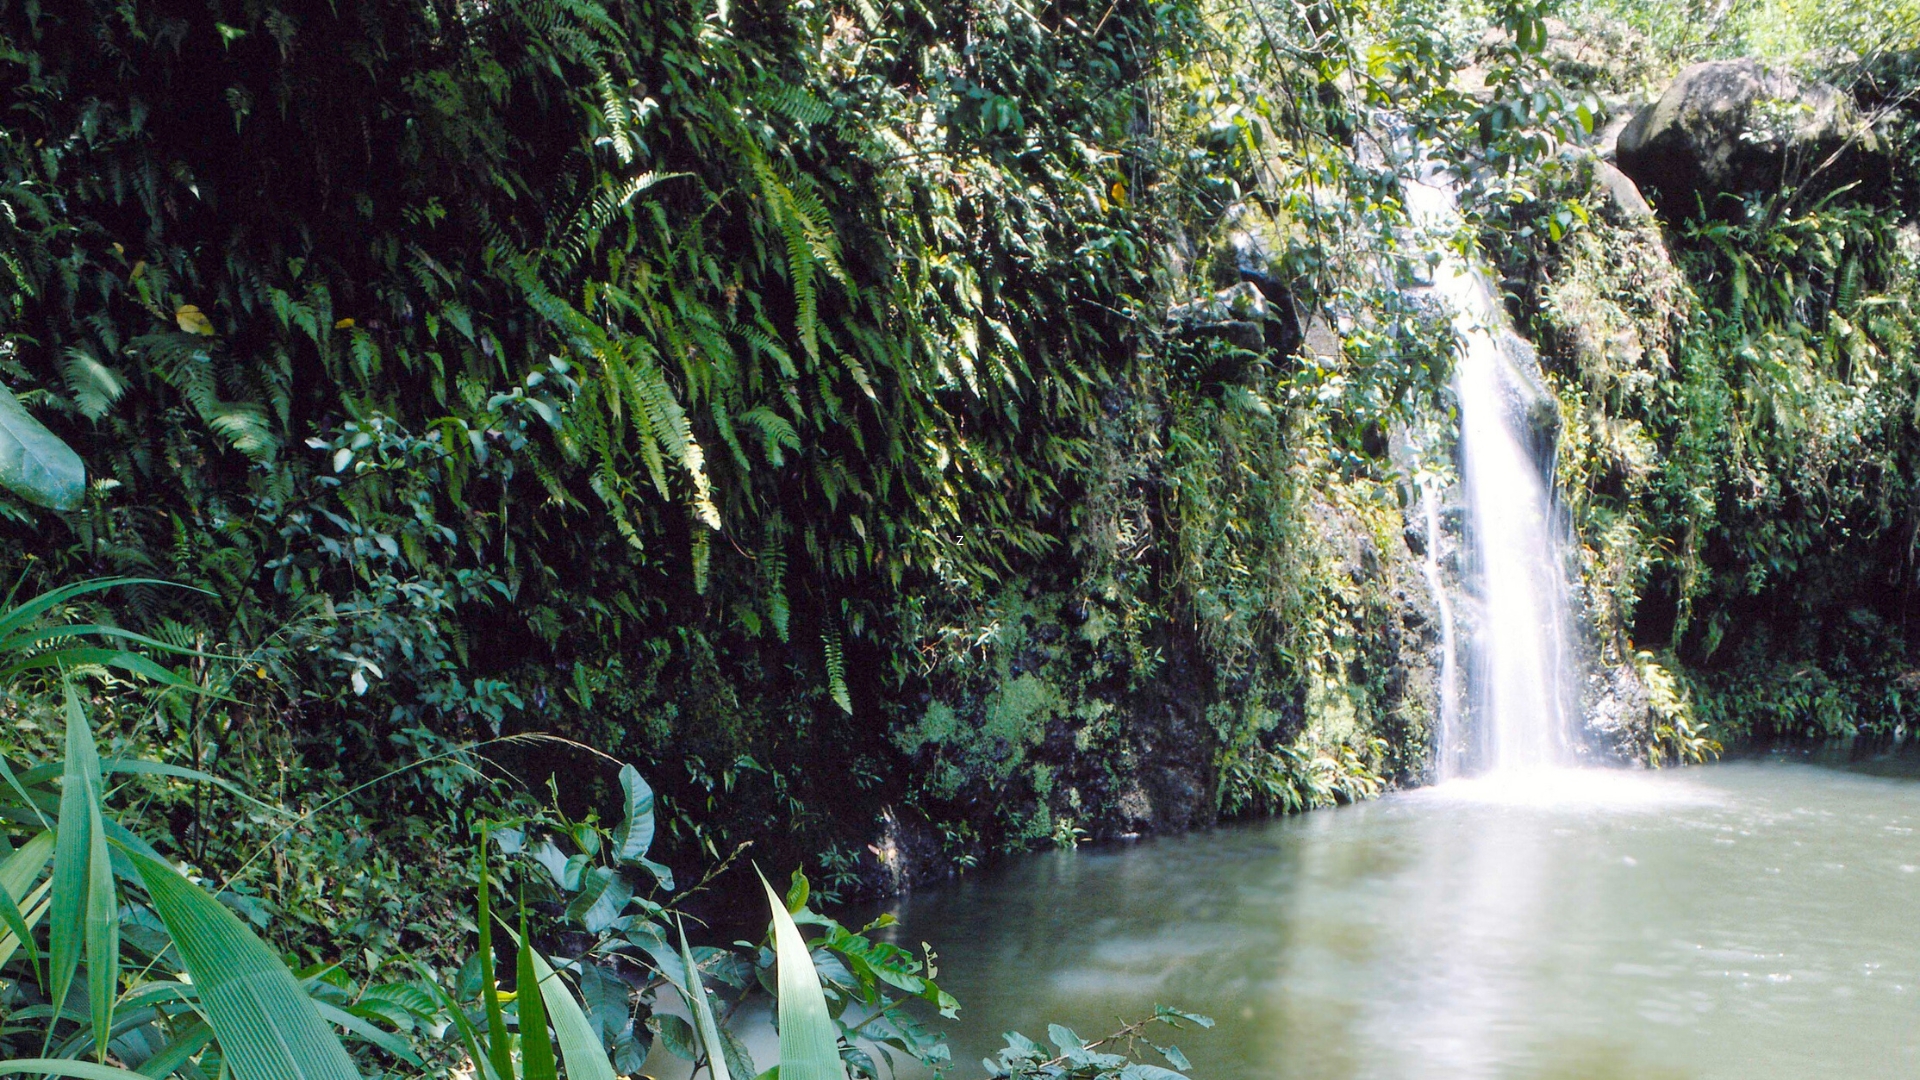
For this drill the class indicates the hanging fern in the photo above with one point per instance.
(836, 671)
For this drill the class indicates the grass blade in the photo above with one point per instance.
(13, 619)
(499, 1050)
(78, 1070)
(267, 1027)
(178, 1052)
(368, 1031)
(26, 798)
(586, 1059)
(16, 877)
(536, 1048)
(131, 662)
(809, 1046)
(703, 1014)
(35, 906)
(103, 897)
(68, 928)
(482, 1064)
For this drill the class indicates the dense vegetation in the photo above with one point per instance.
(901, 432)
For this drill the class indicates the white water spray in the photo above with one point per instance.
(1447, 759)
(1520, 681)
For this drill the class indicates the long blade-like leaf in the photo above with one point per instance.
(499, 1051)
(131, 662)
(809, 1046)
(703, 1014)
(35, 907)
(12, 620)
(19, 788)
(142, 767)
(62, 631)
(586, 1059)
(176, 1053)
(72, 857)
(78, 1070)
(267, 1027)
(16, 922)
(368, 1031)
(17, 874)
(468, 1036)
(103, 898)
(536, 1048)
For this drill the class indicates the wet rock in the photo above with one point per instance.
(1251, 263)
(1619, 715)
(1738, 127)
(905, 852)
(1237, 315)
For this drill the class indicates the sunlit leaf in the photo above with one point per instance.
(809, 1043)
(192, 320)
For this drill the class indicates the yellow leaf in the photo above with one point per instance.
(139, 267)
(192, 321)
(1119, 193)
(343, 324)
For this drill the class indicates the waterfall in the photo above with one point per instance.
(1519, 674)
(1447, 740)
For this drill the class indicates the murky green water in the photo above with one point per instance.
(1749, 919)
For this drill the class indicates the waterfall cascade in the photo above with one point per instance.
(1520, 671)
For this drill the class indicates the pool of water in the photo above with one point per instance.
(1755, 918)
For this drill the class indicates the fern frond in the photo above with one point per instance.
(773, 576)
(93, 385)
(836, 670)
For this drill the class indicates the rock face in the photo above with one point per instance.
(1733, 127)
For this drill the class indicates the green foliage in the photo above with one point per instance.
(1080, 1059)
(238, 1005)
(1737, 449)
(616, 361)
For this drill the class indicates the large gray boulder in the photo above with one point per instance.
(1739, 127)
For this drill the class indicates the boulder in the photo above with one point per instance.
(1739, 127)
(1624, 202)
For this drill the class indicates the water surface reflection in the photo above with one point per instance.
(1751, 919)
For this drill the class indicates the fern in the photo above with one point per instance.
(793, 102)
(93, 385)
(702, 556)
(773, 577)
(776, 433)
(836, 671)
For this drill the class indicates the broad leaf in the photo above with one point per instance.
(34, 463)
(267, 1027)
(635, 834)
